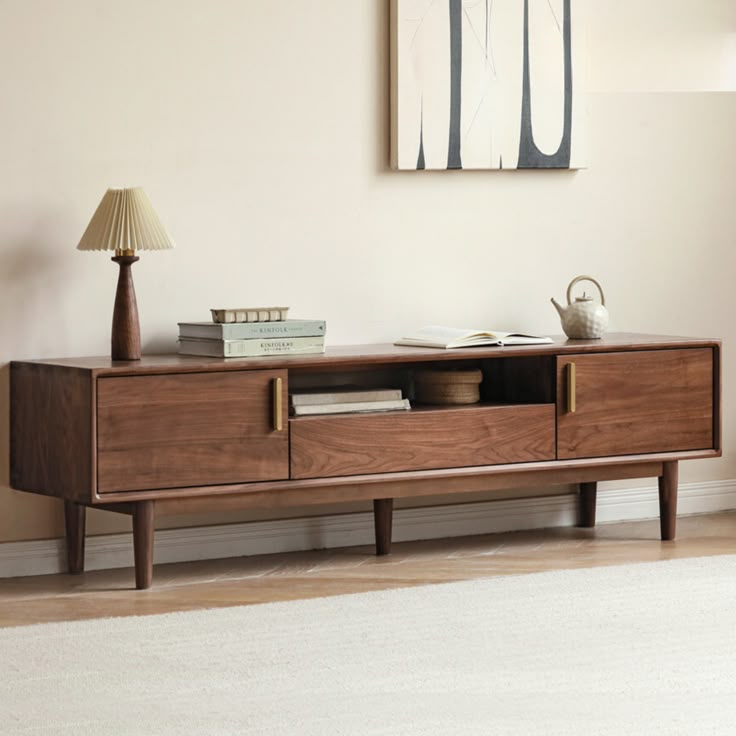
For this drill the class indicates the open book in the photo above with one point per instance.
(436, 336)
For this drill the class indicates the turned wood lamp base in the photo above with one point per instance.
(125, 222)
(126, 331)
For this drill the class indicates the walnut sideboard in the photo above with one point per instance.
(177, 434)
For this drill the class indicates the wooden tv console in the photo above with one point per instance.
(174, 434)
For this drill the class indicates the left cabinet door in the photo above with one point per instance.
(195, 429)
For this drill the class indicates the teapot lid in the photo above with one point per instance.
(584, 297)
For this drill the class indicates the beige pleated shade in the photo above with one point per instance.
(125, 221)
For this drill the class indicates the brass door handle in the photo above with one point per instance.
(571, 388)
(278, 405)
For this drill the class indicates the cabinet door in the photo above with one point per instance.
(634, 402)
(199, 429)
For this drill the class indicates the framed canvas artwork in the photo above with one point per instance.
(486, 84)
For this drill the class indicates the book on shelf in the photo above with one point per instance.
(247, 330)
(351, 407)
(251, 348)
(341, 395)
(437, 336)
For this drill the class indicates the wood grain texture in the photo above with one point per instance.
(181, 434)
(189, 430)
(408, 485)
(143, 528)
(383, 514)
(386, 485)
(668, 483)
(637, 402)
(75, 517)
(351, 444)
(51, 430)
(359, 356)
(125, 340)
(717, 394)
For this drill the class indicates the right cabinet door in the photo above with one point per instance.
(634, 402)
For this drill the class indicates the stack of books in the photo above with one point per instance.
(345, 400)
(251, 339)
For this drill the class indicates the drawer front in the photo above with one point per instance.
(635, 402)
(199, 429)
(423, 439)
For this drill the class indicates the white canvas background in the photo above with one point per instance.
(492, 64)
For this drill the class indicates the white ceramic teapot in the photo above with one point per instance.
(583, 318)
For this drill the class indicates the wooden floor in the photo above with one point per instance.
(242, 581)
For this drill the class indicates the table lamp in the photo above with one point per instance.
(125, 222)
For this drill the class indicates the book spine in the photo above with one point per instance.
(254, 330)
(311, 399)
(273, 346)
(252, 348)
(351, 407)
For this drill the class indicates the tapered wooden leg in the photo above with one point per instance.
(75, 517)
(383, 511)
(668, 500)
(586, 504)
(143, 517)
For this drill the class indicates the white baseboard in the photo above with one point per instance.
(343, 530)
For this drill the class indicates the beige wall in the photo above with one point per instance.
(260, 131)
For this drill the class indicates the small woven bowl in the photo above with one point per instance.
(435, 386)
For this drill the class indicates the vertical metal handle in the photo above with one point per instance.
(278, 405)
(571, 388)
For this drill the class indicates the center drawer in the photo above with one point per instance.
(421, 439)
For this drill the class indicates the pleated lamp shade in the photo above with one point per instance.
(125, 222)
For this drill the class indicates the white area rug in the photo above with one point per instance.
(637, 649)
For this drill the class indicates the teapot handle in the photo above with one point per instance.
(584, 278)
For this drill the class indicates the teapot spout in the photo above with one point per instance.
(561, 310)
